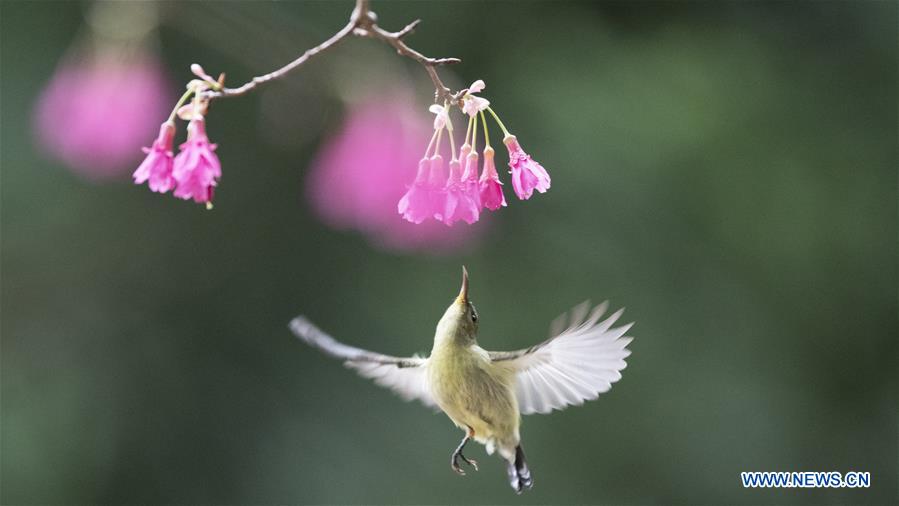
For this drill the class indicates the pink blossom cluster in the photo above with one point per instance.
(361, 170)
(456, 191)
(195, 171)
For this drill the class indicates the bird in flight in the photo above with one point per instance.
(485, 392)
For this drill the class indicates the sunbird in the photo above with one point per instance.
(485, 392)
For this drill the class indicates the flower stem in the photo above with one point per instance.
(431, 144)
(439, 138)
(486, 132)
(474, 136)
(499, 122)
(468, 131)
(452, 142)
(449, 121)
(181, 102)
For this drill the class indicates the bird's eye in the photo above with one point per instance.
(474, 315)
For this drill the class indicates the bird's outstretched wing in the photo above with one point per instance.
(407, 376)
(579, 362)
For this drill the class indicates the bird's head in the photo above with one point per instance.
(460, 321)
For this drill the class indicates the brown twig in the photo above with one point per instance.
(362, 23)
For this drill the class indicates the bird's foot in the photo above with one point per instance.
(455, 463)
(471, 462)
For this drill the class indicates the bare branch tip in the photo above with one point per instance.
(407, 30)
(363, 23)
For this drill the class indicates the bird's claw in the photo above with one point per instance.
(457, 468)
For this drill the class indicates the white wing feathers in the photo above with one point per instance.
(575, 365)
(579, 362)
(406, 376)
(409, 382)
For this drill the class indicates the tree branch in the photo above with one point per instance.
(362, 23)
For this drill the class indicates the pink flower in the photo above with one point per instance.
(527, 174)
(470, 178)
(472, 105)
(94, 115)
(197, 168)
(365, 167)
(427, 196)
(464, 150)
(459, 202)
(491, 188)
(441, 118)
(437, 192)
(415, 206)
(157, 166)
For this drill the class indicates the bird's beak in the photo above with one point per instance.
(463, 293)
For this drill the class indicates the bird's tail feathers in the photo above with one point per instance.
(519, 474)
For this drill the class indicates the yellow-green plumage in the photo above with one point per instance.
(485, 393)
(475, 393)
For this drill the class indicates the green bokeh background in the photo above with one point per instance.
(726, 171)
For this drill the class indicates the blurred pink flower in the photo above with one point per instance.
(95, 114)
(362, 172)
(197, 167)
(490, 187)
(527, 174)
(157, 166)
